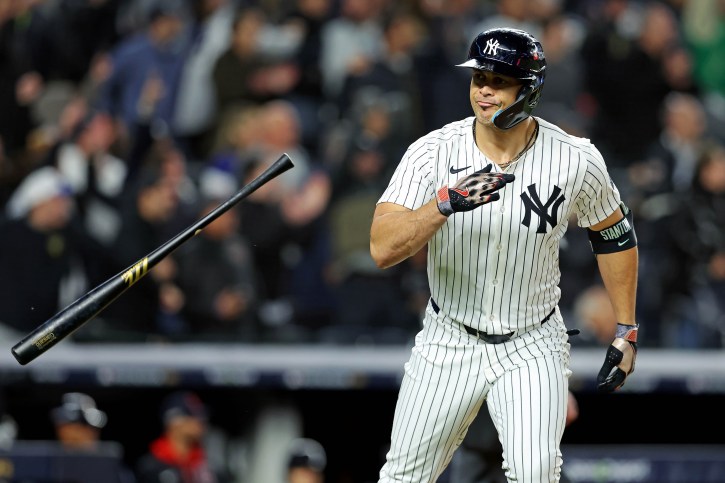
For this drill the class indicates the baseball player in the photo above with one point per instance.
(491, 196)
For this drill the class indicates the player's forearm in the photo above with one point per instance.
(397, 235)
(619, 273)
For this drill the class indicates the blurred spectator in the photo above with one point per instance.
(96, 175)
(183, 176)
(20, 82)
(391, 78)
(671, 160)
(679, 71)
(704, 28)
(235, 68)
(281, 132)
(47, 259)
(449, 27)
(68, 35)
(311, 16)
(150, 59)
(657, 183)
(365, 164)
(370, 127)
(149, 213)
(11, 174)
(178, 455)
(196, 108)
(78, 422)
(518, 14)
(262, 222)
(595, 316)
(216, 271)
(289, 238)
(284, 222)
(306, 461)
(564, 99)
(614, 52)
(247, 74)
(236, 140)
(350, 42)
(64, 111)
(294, 42)
(694, 307)
(369, 308)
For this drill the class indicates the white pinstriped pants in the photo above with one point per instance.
(451, 373)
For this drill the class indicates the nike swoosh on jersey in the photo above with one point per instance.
(622, 242)
(454, 170)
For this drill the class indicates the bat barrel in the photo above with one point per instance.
(35, 344)
(69, 319)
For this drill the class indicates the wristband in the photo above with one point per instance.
(444, 201)
(627, 332)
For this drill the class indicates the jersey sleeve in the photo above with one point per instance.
(411, 185)
(598, 197)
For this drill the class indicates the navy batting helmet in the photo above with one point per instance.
(513, 53)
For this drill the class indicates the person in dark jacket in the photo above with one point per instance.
(46, 258)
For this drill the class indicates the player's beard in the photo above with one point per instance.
(484, 117)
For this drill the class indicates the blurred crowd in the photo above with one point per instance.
(187, 446)
(122, 122)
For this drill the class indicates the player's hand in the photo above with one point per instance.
(620, 359)
(472, 191)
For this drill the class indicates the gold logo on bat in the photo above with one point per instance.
(134, 274)
(45, 340)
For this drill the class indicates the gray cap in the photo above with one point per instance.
(306, 453)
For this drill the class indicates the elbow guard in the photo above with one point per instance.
(616, 238)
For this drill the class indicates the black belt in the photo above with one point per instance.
(488, 338)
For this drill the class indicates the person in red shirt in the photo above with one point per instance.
(178, 454)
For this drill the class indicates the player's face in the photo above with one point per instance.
(490, 92)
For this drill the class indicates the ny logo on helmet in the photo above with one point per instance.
(491, 47)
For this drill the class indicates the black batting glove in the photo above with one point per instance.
(472, 191)
(620, 359)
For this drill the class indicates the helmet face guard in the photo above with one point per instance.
(516, 54)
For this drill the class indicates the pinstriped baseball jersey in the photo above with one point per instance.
(496, 268)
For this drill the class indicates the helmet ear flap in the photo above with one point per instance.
(511, 116)
(536, 87)
(521, 109)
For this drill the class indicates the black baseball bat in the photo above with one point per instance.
(71, 318)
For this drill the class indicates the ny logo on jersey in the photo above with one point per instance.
(491, 47)
(533, 203)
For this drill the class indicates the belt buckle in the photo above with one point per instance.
(495, 338)
(489, 338)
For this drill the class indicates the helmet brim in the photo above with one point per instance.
(498, 67)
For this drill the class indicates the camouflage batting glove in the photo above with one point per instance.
(472, 191)
(620, 359)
